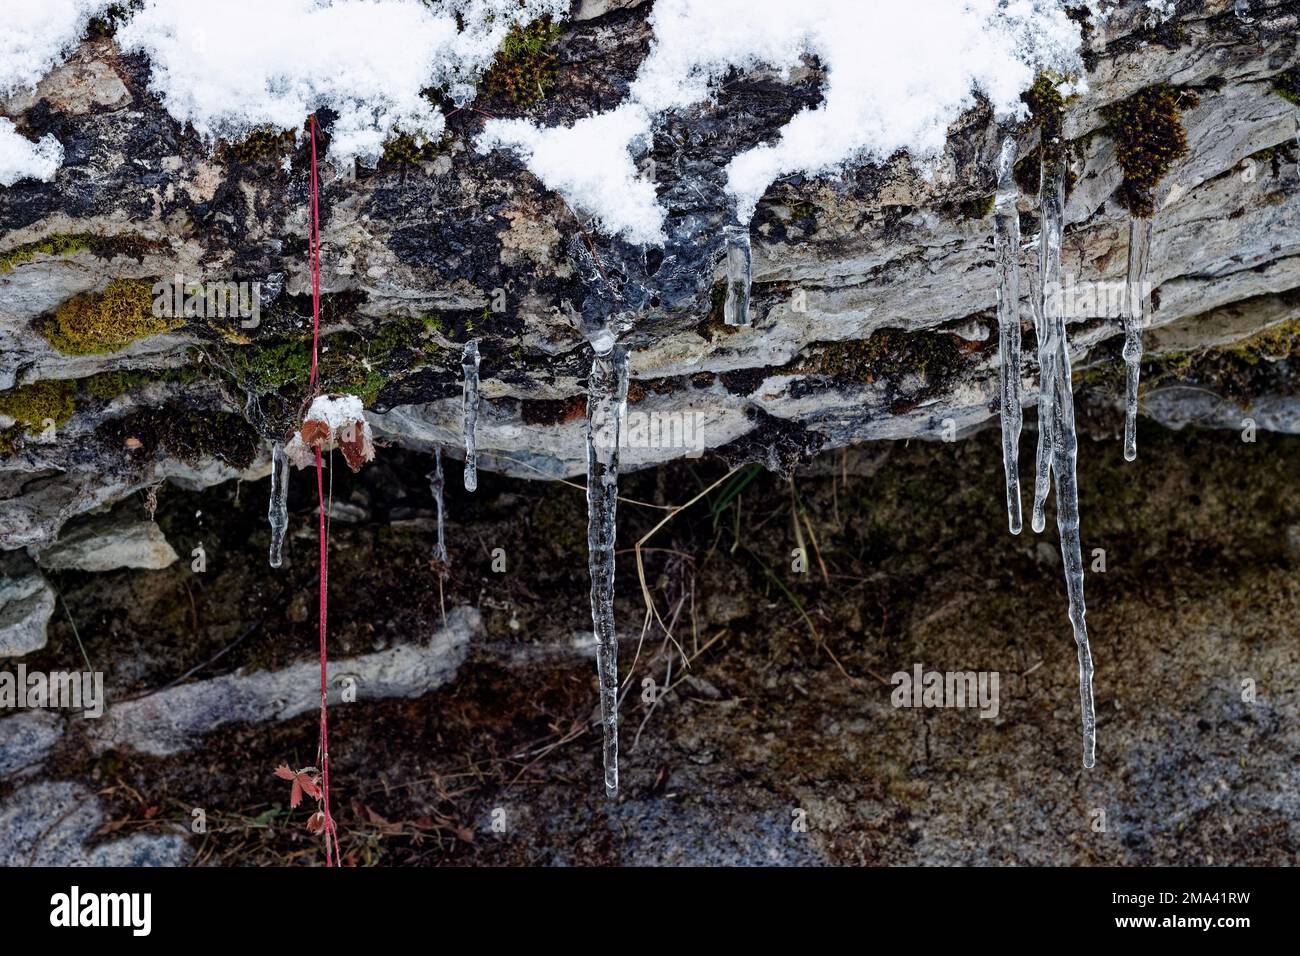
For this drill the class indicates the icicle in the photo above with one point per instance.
(436, 486)
(1242, 9)
(469, 362)
(278, 512)
(1135, 302)
(740, 273)
(1006, 240)
(606, 405)
(1047, 302)
(1060, 426)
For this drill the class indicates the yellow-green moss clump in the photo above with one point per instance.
(523, 70)
(1287, 85)
(97, 322)
(1149, 138)
(405, 148)
(265, 142)
(71, 243)
(60, 245)
(34, 406)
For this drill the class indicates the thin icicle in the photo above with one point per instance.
(1047, 304)
(469, 362)
(1060, 426)
(1065, 452)
(278, 511)
(740, 274)
(1135, 311)
(1006, 240)
(436, 485)
(606, 407)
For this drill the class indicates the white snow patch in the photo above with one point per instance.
(253, 63)
(20, 158)
(897, 75)
(336, 411)
(35, 35)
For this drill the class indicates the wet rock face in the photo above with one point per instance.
(873, 297)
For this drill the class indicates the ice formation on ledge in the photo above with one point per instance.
(897, 75)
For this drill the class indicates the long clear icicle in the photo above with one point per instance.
(1064, 442)
(606, 408)
(740, 275)
(1006, 241)
(1047, 297)
(1135, 311)
(469, 363)
(436, 485)
(278, 511)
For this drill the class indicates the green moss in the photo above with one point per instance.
(58, 245)
(1047, 112)
(1240, 369)
(98, 322)
(106, 24)
(977, 207)
(1287, 85)
(350, 362)
(1149, 138)
(523, 70)
(69, 244)
(265, 142)
(889, 354)
(107, 386)
(405, 148)
(32, 406)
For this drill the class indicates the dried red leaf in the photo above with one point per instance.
(295, 794)
(355, 444)
(308, 784)
(315, 432)
(284, 773)
(316, 823)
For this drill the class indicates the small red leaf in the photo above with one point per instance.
(316, 823)
(284, 773)
(295, 795)
(315, 432)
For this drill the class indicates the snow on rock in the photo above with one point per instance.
(272, 62)
(897, 75)
(37, 34)
(20, 158)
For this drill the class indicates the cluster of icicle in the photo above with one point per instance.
(1057, 441)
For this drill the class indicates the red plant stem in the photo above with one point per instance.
(314, 243)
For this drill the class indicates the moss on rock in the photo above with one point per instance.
(1149, 138)
(94, 323)
(524, 70)
(34, 406)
